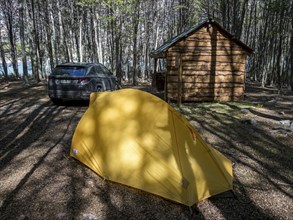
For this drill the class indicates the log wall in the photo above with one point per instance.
(212, 68)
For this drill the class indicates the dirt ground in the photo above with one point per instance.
(38, 179)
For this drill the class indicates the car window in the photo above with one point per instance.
(99, 69)
(105, 70)
(92, 71)
(70, 71)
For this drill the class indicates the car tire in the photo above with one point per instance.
(99, 88)
(117, 86)
(56, 101)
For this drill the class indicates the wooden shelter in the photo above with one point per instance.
(205, 63)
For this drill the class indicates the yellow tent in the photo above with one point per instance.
(134, 138)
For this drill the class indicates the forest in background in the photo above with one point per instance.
(121, 34)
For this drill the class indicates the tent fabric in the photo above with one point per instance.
(135, 138)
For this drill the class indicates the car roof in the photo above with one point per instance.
(86, 65)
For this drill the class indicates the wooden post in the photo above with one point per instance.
(166, 87)
(154, 81)
(180, 81)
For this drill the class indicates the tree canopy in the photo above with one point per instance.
(122, 33)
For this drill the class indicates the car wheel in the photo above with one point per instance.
(56, 101)
(99, 88)
(117, 86)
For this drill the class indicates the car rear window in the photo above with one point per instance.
(71, 71)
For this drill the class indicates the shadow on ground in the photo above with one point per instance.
(40, 181)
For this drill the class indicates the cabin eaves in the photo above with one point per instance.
(160, 52)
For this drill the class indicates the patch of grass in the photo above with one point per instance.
(230, 108)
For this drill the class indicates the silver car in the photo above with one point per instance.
(75, 81)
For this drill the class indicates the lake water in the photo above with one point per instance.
(10, 68)
(20, 70)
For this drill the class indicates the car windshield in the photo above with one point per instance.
(70, 71)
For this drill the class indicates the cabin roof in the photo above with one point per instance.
(160, 51)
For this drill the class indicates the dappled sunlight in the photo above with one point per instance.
(259, 153)
(38, 178)
(148, 139)
(108, 115)
(131, 137)
(261, 160)
(27, 154)
(129, 157)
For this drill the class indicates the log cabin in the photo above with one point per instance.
(204, 63)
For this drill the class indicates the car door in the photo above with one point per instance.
(92, 76)
(111, 77)
(103, 77)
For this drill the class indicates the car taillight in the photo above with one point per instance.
(52, 78)
(82, 81)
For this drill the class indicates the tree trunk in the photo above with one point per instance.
(9, 15)
(66, 49)
(49, 37)
(111, 39)
(60, 31)
(223, 13)
(3, 59)
(95, 36)
(35, 54)
(53, 39)
(291, 50)
(248, 30)
(134, 40)
(32, 56)
(99, 44)
(80, 40)
(279, 63)
(22, 40)
(118, 52)
(240, 24)
(228, 15)
(39, 33)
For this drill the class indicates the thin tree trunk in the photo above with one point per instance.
(66, 49)
(100, 51)
(228, 15)
(291, 50)
(22, 40)
(254, 41)
(54, 40)
(3, 59)
(8, 15)
(249, 25)
(49, 37)
(60, 31)
(111, 39)
(240, 24)
(39, 42)
(80, 40)
(223, 13)
(280, 32)
(35, 43)
(32, 57)
(95, 36)
(118, 52)
(135, 29)
(71, 45)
